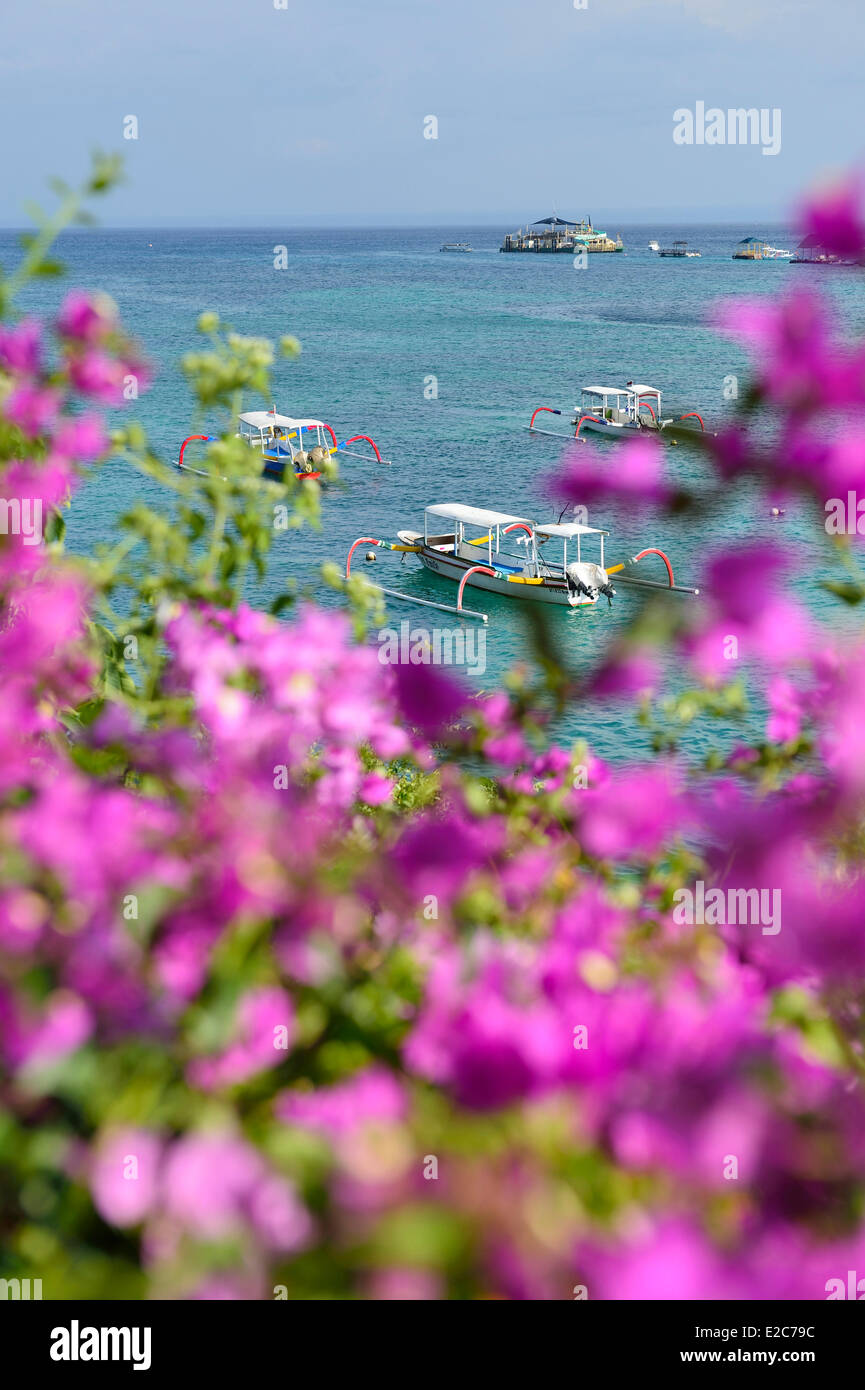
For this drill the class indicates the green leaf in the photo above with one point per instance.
(849, 592)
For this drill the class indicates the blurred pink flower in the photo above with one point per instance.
(637, 476)
(373, 1096)
(264, 1030)
(87, 318)
(835, 219)
(124, 1176)
(21, 347)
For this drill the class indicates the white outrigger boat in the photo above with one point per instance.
(617, 411)
(487, 562)
(284, 444)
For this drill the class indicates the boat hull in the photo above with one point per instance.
(277, 468)
(454, 568)
(598, 426)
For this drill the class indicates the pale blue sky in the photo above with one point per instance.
(253, 115)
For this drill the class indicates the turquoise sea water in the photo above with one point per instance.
(380, 311)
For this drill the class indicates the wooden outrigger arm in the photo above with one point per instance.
(536, 429)
(624, 578)
(410, 598)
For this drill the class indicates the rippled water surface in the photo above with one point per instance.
(381, 311)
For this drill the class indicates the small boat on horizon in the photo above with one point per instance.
(486, 561)
(678, 250)
(653, 246)
(280, 443)
(618, 411)
(456, 246)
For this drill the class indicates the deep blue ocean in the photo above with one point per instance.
(379, 312)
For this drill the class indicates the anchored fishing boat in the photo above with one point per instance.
(288, 445)
(508, 558)
(618, 411)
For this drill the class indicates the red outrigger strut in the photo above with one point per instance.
(652, 551)
(206, 437)
(475, 569)
(356, 437)
(548, 408)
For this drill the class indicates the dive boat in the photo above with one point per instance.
(618, 411)
(286, 444)
(506, 558)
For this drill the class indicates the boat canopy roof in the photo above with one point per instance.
(568, 529)
(558, 222)
(265, 419)
(606, 390)
(642, 390)
(474, 516)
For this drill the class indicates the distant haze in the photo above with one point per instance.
(314, 114)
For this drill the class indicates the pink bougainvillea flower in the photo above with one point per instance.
(400, 1283)
(124, 1176)
(214, 1182)
(82, 439)
(744, 617)
(785, 711)
(834, 219)
(625, 673)
(632, 814)
(372, 1096)
(376, 789)
(87, 318)
(33, 409)
(428, 699)
(436, 854)
(638, 476)
(21, 347)
(264, 1030)
(673, 1262)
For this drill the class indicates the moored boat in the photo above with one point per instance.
(507, 558)
(288, 445)
(679, 251)
(618, 412)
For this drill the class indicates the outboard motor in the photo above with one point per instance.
(589, 580)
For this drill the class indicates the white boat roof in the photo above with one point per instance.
(606, 390)
(263, 419)
(474, 516)
(568, 529)
(643, 390)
